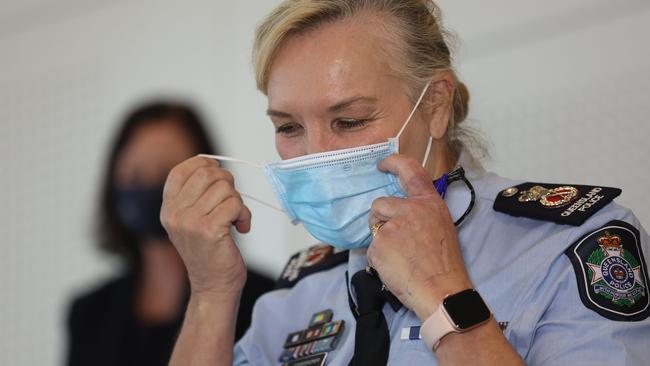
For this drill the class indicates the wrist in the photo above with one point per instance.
(459, 313)
(216, 311)
(476, 334)
(214, 299)
(430, 296)
(218, 287)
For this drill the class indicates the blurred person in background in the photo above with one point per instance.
(134, 318)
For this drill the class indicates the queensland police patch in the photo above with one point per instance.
(611, 272)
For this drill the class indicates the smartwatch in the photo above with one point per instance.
(458, 313)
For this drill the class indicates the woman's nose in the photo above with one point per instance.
(318, 141)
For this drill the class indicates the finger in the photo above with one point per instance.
(411, 174)
(218, 192)
(179, 175)
(202, 178)
(385, 208)
(231, 210)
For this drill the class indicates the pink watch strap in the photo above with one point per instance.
(435, 327)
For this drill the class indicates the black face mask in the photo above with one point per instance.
(138, 208)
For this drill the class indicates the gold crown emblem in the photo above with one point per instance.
(609, 241)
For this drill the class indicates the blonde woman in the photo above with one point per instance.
(368, 113)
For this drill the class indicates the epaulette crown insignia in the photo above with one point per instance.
(560, 203)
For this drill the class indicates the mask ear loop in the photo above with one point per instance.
(415, 108)
(426, 153)
(408, 119)
(234, 160)
(254, 165)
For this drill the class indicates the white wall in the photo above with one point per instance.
(560, 91)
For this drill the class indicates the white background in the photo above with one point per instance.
(560, 90)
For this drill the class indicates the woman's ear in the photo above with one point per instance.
(440, 98)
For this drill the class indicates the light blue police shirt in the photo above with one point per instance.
(517, 264)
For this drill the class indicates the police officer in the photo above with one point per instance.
(545, 274)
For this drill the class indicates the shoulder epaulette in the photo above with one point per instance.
(559, 203)
(315, 259)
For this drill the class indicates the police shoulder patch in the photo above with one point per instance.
(315, 259)
(560, 203)
(611, 272)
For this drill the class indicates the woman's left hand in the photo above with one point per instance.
(416, 252)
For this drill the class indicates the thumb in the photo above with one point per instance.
(243, 222)
(412, 176)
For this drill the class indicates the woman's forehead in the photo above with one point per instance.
(336, 60)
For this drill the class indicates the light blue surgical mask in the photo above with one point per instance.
(331, 193)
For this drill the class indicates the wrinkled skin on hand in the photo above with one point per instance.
(200, 207)
(416, 252)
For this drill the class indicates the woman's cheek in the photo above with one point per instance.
(288, 148)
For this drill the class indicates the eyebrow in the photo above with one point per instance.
(274, 113)
(345, 103)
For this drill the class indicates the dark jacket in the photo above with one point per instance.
(103, 329)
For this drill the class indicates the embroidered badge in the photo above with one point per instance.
(315, 259)
(611, 272)
(311, 257)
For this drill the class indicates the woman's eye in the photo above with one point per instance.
(349, 124)
(288, 129)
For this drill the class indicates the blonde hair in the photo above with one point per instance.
(420, 40)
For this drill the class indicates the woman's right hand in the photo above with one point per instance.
(200, 205)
